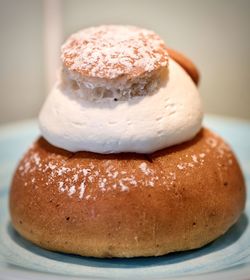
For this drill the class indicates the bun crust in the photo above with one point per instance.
(127, 205)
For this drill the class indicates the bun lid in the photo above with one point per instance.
(111, 51)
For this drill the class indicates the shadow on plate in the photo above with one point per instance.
(232, 235)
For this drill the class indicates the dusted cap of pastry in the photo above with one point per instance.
(123, 167)
(122, 61)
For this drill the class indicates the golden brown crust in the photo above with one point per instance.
(186, 63)
(176, 199)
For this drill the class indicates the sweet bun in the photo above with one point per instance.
(186, 63)
(127, 204)
(123, 167)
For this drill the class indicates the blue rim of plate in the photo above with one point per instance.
(228, 254)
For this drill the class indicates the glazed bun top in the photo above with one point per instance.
(119, 91)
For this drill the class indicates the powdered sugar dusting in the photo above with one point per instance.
(81, 180)
(181, 166)
(123, 186)
(85, 171)
(61, 187)
(194, 158)
(51, 166)
(72, 190)
(62, 170)
(144, 168)
(197, 160)
(110, 51)
(75, 178)
(82, 189)
(102, 183)
(37, 159)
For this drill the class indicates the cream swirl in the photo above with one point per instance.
(142, 124)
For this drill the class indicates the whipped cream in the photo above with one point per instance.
(142, 124)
